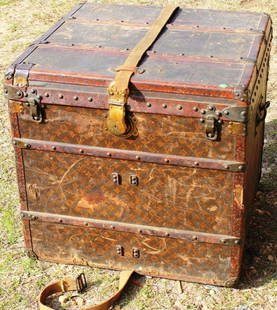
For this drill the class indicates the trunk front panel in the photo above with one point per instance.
(163, 134)
(179, 259)
(166, 196)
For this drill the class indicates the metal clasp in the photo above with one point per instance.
(36, 109)
(81, 283)
(211, 126)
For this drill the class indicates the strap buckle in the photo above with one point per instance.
(81, 283)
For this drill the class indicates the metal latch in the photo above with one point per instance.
(212, 126)
(36, 109)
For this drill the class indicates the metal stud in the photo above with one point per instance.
(201, 120)
(90, 99)
(61, 96)
(33, 91)
(76, 97)
(243, 114)
(81, 151)
(195, 109)
(194, 238)
(240, 167)
(166, 160)
(148, 104)
(226, 112)
(109, 154)
(203, 111)
(219, 121)
(179, 107)
(196, 163)
(164, 106)
(54, 148)
(46, 95)
(28, 146)
(138, 157)
(210, 108)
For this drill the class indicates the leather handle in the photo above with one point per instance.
(71, 284)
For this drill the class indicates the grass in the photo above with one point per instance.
(22, 277)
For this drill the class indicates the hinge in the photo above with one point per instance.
(21, 74)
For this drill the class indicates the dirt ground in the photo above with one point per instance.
(21, 278)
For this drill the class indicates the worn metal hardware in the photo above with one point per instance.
(163, 159)
(212, 126)
(236, 114)
(133, 180)
(120, 250)
(193, 236)
(116, 178)
(13, 93)
(36, 110)
(262, 111)
(136, 253)
(21, 74)
(81, 283)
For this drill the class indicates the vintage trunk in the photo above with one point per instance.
(170, 198)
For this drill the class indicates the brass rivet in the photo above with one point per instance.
(148, 104)
(164, 106)
(46, 94)
(76, 97)
(210, 108)
(90, 99)
(203, 111)
(138, 157)
(201, 120)
(195, 109)
(60, 96)
(109, 154)
(81, 151)
(226, 112)
(196, 163)
(194, 238)
(179, 107)
(166, 160)
(54, 148)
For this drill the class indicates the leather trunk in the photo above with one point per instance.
(171, 198)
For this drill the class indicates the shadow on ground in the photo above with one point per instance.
(261, 249)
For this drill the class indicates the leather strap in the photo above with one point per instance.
(119, 88)
(79, 284)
